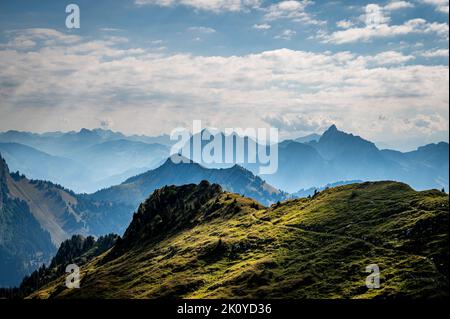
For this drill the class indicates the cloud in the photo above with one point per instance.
(298, 122)
(264, 26)
(437, 53)
(344, 24)
(49, 35)
(389, 58)
(398, 5)
(204, 30)
(440, 5)
(426, 123)
(20, 42)
(291, 10)
(205, 5)
(146, 91)
(286, 34)
(367, 33)
(110, 29)
(106, 124)
(375, 15)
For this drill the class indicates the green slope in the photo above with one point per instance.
(196, 241)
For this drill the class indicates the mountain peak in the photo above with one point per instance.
(176, 159)
(85, 131)
(332, 129)
(335, 143)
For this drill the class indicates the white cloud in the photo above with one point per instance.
(398, 5)
(298, 122)
(389, 58)
(438, 53)
(110, 29)
(367, 33)
(291, 10)
(146, 91)
(440, 5)
(206, 5)
(157, 42)
(264, 26)
(204, 30)
(375, 15)
(344, 24)
(286, 34)
(48, 35)
(20, 43)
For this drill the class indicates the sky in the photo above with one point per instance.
(378, 69)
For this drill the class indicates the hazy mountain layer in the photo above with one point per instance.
(84, 161)
(40, 165)
(311, 191)
(58, 143)
(234, 179)
(96, 159)
(333, 156)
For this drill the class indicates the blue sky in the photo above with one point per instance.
(148, 66)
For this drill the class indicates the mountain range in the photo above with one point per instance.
(338, 156)
(197, 241)
(37, 215)
(59, 213)
(83, 161)
(234, 179)
(89, 160)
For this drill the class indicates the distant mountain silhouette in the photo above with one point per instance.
(310, 191)
(43, 166)
(308, 138)
(83, 161)
(340, 156)
(299, 165)
(109, 158)
(236, 179)
(334, 144)
(117, 157)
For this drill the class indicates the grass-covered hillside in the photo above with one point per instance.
(196, 241)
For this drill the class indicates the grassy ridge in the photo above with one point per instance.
(232, 247)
